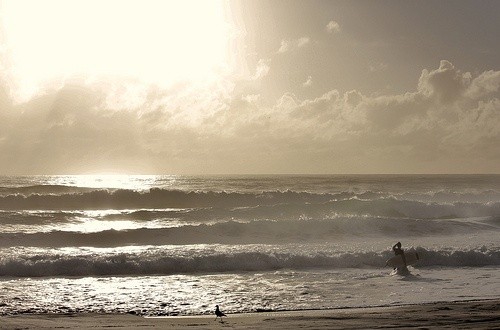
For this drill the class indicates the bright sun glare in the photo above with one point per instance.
(154, 41)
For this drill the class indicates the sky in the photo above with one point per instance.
(249, 87)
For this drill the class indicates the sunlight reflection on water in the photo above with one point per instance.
(116, 181)
(243, 292)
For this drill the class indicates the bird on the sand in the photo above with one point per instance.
(218, 313)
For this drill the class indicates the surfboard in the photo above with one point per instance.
(402, 271)
(397, 261)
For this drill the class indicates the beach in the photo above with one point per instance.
(477, 314)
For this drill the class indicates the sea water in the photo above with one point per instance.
(179, 245)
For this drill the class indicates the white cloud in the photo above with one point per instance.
(333, 27)
(263, 67)
(288, 45)
(308, 82)
(450, 123)
(285, 46)
(485, 85)
(251, 98)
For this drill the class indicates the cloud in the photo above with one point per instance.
(333, 27)
(485, 85)
(251, 98)
(76, 128)
(288, 45)
(446, 83)
(308, 82)
(450, 123)
(263, 67)
(285, 46)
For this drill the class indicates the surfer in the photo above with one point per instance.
(399, 252)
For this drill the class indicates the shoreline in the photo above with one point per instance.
(467, 314)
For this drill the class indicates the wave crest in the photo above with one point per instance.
(158, 263)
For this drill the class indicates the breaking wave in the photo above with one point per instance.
(159, 263)
(68, 197)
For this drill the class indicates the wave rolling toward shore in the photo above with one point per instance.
(121, 244)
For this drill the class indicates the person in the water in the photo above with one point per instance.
(400, 252)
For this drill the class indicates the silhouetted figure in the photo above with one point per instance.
(218, 313)
(399, 252)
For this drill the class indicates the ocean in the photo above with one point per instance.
(179, 245)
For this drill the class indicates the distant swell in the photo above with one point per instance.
(131, 264)
(43, 190)
(154, 198)
(251, 206)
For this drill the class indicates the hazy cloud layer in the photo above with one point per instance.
(450, 121)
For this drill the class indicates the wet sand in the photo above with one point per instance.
(483, 314)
